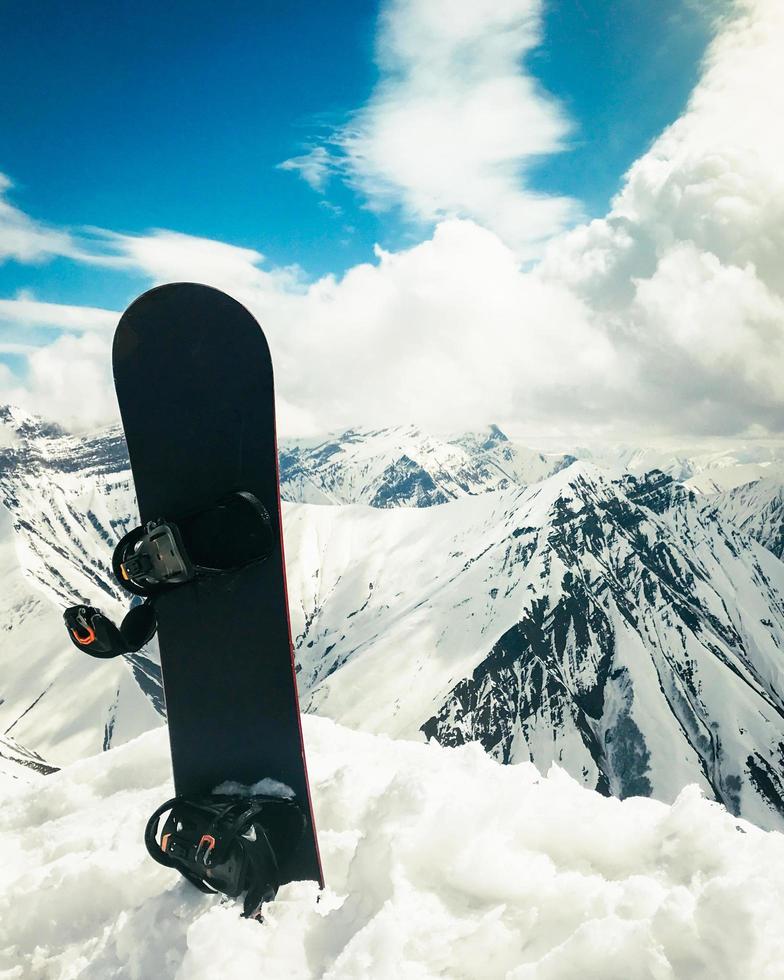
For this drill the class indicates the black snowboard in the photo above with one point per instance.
(193, 376)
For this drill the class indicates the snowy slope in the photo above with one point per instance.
(757, 508)
(71, 497)
(725, 479)
(61, 497)
(19, 763)
(439, 863)
(703, 471)
(615, 629)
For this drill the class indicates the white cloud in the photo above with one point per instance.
(685, 272)
(27, 312)
(447, 332)
(315, 167)
(68, 381)
(27, 240)
(169, 256)
(453, 121)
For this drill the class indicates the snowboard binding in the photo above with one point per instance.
(227, 843)
(160, 555)
(226, 537)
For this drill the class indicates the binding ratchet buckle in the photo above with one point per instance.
(94, 633)
(205, 849)
(153, 555)
(158, 557)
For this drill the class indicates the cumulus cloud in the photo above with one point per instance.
(69, 381)
(453, 121)
(685, 272)
(446, 332)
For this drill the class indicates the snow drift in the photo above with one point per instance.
(439, 862)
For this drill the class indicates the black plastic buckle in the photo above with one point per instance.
(158, 558)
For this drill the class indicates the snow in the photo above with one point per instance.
(264, 787)
(701, 469)
(54, 701)
(670, 618)
(439, 863)
(757, 508)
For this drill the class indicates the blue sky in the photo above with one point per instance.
(144, 115)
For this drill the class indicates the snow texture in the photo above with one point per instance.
(439, 863)
(612, 627)
(264, 787)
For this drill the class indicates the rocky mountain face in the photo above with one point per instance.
(650, 651)
(405, 467)
(19, 763)
(757, 508)
(623, 627)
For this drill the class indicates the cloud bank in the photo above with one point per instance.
(666, 317)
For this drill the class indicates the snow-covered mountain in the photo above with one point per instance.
(19, 763)
(619, 627)
(704, 471)
(405, 467)
(615, 628)
(756, 508)
(66, 499)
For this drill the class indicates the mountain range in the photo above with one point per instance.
(554, 609)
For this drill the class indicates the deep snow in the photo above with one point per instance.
(439, 863)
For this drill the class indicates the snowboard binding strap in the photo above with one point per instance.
(227, 843)
(233, 533)
(94, 633)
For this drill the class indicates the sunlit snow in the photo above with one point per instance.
(439, 863)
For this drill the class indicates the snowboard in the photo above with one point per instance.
(194, 382)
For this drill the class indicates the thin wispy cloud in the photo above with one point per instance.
(315, 167)
(25, 239)
(27, 312)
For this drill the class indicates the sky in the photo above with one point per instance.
(562, 217)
